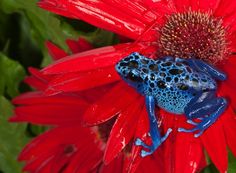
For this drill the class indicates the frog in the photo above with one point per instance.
(177, 85)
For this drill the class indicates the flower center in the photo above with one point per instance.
(194, 34)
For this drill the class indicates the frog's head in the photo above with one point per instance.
(130, 69)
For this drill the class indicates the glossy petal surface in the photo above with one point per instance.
(40, 109)
(108, 15)
(81, 81)
(214, 140)
(62, 152)
(55, 52)
(122, 133)
(79, 45)
(110, 104)
(96, 58)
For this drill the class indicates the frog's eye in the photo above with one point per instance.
(134, 77)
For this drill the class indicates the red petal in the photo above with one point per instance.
(96, 58)
(55, 52)
(181, 150)
(111, 104)
(126, 18)
(61, 158)
(121, 132)
(86, 160)
(82, 81)
(84, 44)
(151, 164)
(215, 144)
(181, 5)
(45, 169)
(229, 120)
(73, 45)
(39, 75)
(163, 7)
(229, 69)
(37, 80)
(58, 136)
(205, 5)
(142, 131)
(37, 114)
(226, 10)
(35, 83)
(94, 94)
(232, 44)
(38, 164)
(115, 166)
(228, 91)
(188, 153)
(41, 109)
(38, 97)
(168, 120)
(78, 46)
(51, 149)
(227, 87)
(50, 6)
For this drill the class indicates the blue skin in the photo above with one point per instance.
(179, 86)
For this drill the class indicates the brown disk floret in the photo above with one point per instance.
(194, 34)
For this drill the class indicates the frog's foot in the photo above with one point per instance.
(155, 144)
(197, 128)
(193, 122)
(206, 121)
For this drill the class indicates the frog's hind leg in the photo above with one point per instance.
(204, 67)
(205, 107)
(199, 104)
(207, 68)
(154, 131)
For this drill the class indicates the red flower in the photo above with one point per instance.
(177, 28)
(67, 146)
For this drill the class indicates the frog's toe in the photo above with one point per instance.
(192, 122)
(156, 142)
(146, 153)
(166, 135)
(187, 130)
(198, 128)
(198, 134)
(139, 142)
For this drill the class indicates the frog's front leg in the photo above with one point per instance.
(154, 131)
(207, 108)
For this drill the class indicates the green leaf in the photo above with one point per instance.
(11, 74)
(232, 163)
(102, 38)
(210, 169)
(35, 130)
(12, 137)
(43, 25)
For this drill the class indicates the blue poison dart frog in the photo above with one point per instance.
(179, 86)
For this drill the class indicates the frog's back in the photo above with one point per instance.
(175, 84)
